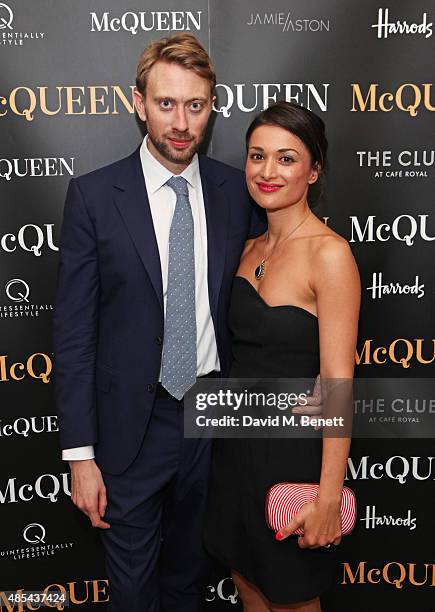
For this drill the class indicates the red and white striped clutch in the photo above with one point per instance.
(285, 499)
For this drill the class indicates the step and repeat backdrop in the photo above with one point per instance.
(66, 107)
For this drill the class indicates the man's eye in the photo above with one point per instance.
(165, 103)
(196, 106)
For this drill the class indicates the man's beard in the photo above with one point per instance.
(179, 157)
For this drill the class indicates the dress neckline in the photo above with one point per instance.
(303, 310)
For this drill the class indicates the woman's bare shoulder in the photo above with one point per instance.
(251, 243)
(324, 242)
(332, 258)
(323, 238)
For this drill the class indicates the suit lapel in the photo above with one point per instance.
(217, 215)
(132, 202)
(131, 199)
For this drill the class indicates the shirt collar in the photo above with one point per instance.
(156, 175)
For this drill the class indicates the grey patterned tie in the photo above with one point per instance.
(179, 343)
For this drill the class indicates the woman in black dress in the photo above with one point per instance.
(294, 313)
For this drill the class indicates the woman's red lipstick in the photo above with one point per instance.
(268, 187)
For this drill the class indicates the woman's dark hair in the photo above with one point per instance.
(301, 122)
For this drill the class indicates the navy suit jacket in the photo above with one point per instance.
(108, 316)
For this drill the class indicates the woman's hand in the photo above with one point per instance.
(320, 521)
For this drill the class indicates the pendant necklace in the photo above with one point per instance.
(261, 268)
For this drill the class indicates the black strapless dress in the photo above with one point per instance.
(268, 342)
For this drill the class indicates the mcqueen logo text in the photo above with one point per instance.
(408, 98)
(401, 351)
(25, 426)
(76, 593)
(46, 486)
(147, 21)
(396, 468)
(36, 166)
(38, 366)
(30, 238)
(404, 228)
(110, 100)
(394, 573)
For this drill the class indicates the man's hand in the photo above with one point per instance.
(88, 491)
(313, 404)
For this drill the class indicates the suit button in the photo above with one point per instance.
(158, 340)
(150, 387)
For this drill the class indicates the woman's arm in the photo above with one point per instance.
(336, 285)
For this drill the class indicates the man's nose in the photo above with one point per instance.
(180, 120)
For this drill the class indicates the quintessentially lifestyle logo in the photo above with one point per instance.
(6, 17)
(373, 519)
(146, 21)
(408, 97)
(381, 288)
(30, 238)
(404, 228)
(34, 534)
(111, 100)
(36, 166)
(18, 292)
(287, 22)
(8, 36)
(386, 28)
(385, 164)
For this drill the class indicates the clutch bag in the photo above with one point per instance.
(285, 499)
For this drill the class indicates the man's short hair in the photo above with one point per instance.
(182, 49)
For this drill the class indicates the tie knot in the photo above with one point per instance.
(179, 185)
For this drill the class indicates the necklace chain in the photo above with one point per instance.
(260, 269)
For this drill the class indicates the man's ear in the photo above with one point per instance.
(139, 104)
(213, 100)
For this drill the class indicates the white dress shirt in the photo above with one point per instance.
(162, 200)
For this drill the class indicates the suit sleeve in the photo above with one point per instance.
(75, 324)
(258, 223)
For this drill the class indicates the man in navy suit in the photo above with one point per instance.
(120, 409)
